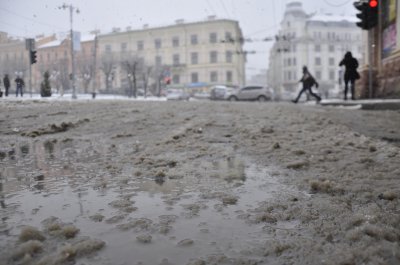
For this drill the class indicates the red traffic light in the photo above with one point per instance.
(373, 3)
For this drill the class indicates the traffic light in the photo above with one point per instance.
(33, 57)
(368, 14)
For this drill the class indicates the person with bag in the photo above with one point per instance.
(350, 74)
(20, 85)
(308, 82)
(6, 83)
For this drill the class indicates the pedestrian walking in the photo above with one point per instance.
(350, 74)
(308, 82)
(6, 83)
(20, 84)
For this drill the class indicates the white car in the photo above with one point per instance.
(221, 92)
(254, 93)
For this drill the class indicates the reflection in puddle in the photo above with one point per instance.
(174, 209)
(24, 150)
(49, 147)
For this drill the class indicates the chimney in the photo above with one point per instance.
(179, 21)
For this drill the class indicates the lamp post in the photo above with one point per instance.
(71, 11)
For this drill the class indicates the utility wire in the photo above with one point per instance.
(28, 18)
(224, 7)
(211, 8)
(337, 5)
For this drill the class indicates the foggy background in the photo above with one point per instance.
(258, 19)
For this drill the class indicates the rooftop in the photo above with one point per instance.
(332, 18)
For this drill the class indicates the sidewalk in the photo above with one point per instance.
(365, 104)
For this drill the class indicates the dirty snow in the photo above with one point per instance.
(131, 182)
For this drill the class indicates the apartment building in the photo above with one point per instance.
(14, 58)
(54, 56)
(207, 52)
(318, 41)
(196, 54)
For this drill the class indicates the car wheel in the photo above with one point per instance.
(232, 98)
(262, 99)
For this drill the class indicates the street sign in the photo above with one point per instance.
(30, 44)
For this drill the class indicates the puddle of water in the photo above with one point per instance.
(205, 210)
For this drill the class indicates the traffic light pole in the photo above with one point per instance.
(370, 55)
(72, 55)
(30, 46)
(30, 76)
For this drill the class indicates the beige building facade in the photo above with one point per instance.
(193, 55)
(188, 54)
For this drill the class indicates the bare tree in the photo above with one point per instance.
(145, 78)
(64, 75)
(108, 64)
(85, 66)
(133, 66)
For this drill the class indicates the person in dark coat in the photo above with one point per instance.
(20, 85)
(308, 82)
(350, 74)
(6, 83)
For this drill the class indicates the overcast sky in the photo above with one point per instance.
(257, 18)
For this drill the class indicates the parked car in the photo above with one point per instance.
(201, 95)
(221, 92)
(177, 94)
(254, 93)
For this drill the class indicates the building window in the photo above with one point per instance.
(318, 74)
(213, 57)
(175, 59)
(317, 48)
(140, 45)
(175, 42)
(229, 56)
(331, 48)
(124, 47)
(289, 62)
(228, 37)
(193, 39)
(157, 43)
(195, 77)
(176, 79)
(194, 58)
(294, 61)
(229, 77)
(213, 77)
(331, 61)
(158, 60)
(289, 76)
(213, 37)
(318, 61)
(108, 48)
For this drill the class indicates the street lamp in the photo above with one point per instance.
(71, 11)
